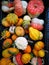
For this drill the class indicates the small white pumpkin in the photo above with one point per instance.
(11, 29)
(27, 18)
(21, 43)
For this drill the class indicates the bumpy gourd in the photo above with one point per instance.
(34, 34)
(12, 18)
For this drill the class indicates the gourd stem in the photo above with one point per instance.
(46, 51)
(2, 37)
(30, 41)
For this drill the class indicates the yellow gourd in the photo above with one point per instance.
(9, 52)
(41, 53)
(5, 23)
(6, 54)
(26, 58)
(34, 34)
(12, 18)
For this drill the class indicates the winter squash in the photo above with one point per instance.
(26, 58)
(7, 43)
(39, 45)
(5, 61)
(12, 18)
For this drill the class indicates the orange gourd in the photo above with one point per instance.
(7, 43)
(5, 34)
(35, 52)
(19, 22)
(28, 49)
(5, 61)
(39, 45)
(14, 37)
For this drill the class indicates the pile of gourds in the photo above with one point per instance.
(22, 40)
(16, 34)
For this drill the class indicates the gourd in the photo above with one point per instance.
(5, 34)
(35, 34)
(5, 23)
(7, 53)
(26, 58)
(14, 36)
(19, 31)
(28, 49)
(35, 52)
(12, 18)
(7, 43)
(13, 51)
(39, 45)
(20, 21)
(5, 61)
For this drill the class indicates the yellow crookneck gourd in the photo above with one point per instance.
(34, 34)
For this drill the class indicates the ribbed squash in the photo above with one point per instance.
(5, 61)
(26, 58)
(12, 18)
(39, 45)
(34, 34)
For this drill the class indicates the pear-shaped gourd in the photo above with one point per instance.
(35, 34)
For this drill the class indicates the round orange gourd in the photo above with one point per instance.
(5, 61)
(14, 37)
(28, 49)
(35, 52)
(39, 45)
(7, 43)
